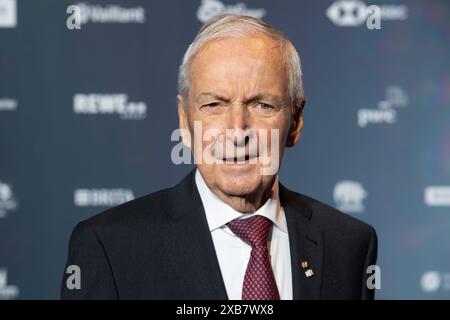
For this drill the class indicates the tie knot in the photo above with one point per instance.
(253, 230)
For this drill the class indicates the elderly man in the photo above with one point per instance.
(229, 230)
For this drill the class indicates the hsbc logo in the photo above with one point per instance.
(353, 13)
(347, 13)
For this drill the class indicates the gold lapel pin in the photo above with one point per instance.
(308, 271)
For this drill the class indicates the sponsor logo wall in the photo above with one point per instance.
(87, 108)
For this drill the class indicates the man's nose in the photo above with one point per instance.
(238, 122)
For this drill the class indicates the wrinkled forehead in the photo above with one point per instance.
(244, 62)
(250, 47)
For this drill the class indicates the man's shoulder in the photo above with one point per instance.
(149, 211)
(131, 213)
(330, 219)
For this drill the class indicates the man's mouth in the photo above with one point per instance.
(240, 160)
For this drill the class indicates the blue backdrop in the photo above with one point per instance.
(86, 117)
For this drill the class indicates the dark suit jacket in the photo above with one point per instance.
(160, 247)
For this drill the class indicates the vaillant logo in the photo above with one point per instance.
(83, 13)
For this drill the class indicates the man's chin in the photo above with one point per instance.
(240, 185)
(238, 191)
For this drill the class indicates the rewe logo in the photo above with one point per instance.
(8, 13)
(211, 8)
(7, 201)
(109, 104)
(349, 195)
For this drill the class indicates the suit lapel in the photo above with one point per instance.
(306, 244)
(189, 243)
(190, 247)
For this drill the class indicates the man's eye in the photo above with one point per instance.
(264, 106)
(211, 105)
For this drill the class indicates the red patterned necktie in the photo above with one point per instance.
(259, 281)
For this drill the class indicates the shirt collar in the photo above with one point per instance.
(218, 213)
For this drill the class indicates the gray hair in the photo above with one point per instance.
(233, 26)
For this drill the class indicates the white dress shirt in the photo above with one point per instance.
(234, 254)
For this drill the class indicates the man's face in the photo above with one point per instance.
(239, 84)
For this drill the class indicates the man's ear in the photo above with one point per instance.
(297, 124)
(183, 121)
